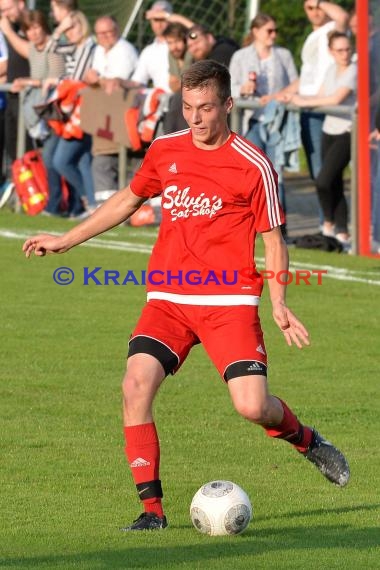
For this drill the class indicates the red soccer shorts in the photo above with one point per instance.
(231, 336)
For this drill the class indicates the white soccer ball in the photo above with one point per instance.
(219, 508)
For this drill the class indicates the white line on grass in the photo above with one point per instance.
(339, 273)
(94, 242)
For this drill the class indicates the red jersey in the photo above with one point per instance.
(213, 204)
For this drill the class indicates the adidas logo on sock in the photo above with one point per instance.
(139, 462)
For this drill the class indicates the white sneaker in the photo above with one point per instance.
(346, 243)
(81, 216)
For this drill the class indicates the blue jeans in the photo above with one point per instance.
(311, 135)
(53, 177)
(253, 135)
(72, 159)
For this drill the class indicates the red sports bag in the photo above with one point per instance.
(31, 184)
(30, 180)
(144, 216)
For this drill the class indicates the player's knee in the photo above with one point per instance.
(133, 388)
(252, 411)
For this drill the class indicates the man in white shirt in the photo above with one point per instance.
(323, 17)
(114, 57)
(153, 63)
(114, 60)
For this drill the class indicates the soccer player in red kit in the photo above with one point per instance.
(218, 191)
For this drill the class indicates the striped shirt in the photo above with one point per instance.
(78, 59)
(44, 63)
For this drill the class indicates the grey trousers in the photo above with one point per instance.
(105, 172)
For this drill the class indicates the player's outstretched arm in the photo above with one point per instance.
(277, 260)
(112, 213)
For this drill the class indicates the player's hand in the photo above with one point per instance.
(43, 244)
(291, 327)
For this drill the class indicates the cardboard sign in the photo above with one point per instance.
(102, 115)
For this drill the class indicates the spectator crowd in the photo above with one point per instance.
(50, 67)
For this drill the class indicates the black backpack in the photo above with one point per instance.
(319, 241)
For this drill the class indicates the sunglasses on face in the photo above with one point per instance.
(194, 35)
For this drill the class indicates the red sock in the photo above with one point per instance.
(291, 430)
(143, 453)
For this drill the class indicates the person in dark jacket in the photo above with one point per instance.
(202, 44)
(18, 66)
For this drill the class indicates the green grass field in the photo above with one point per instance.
(65, 484)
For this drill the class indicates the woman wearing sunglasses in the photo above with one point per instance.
(261, 70)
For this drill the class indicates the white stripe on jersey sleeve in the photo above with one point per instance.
(242, 147)
(172, 135)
